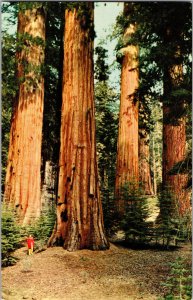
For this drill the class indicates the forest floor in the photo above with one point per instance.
(119, 273)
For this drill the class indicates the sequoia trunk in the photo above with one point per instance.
(174, 147)
(79, 211)
(22, 187)
(174, 141)
(144, 163)
(127, 147)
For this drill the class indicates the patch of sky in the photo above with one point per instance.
(105, 15)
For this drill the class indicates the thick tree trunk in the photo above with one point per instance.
(127, 147)
(144, 163)
(79, 211)
(174, 142)
(174, 148)
(22, 187)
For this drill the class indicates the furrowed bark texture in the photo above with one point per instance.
(144, 163)
(22, 187)
(127, 147)
(174, 149)
(79, 211)
(174, 144)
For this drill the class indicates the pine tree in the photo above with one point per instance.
(9, 88)
(106, 136)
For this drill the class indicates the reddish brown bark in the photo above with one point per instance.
(79, 210)
(127, 147)
(174, 150)
(144, 163)
(22, 186)
(174, 143)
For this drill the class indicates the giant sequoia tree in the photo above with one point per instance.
(144, 148)
(163, 34)
(22, 184)
(79, 210)
(174, 134)
(127, 147)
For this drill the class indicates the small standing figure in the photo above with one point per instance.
(30, 244)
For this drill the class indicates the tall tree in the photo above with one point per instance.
(144, 148)
(106, 120)
(9, 88)
(174, 139)
(79, 211)
(164, 35)
(106, 102)
(127, 148)
(22, 184)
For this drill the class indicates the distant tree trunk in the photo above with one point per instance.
(127, 147)
(174, 141)
(154, 169)
(144, 163)
(22, 187)
(79, 211)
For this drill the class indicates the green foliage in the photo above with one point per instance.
(109, 210)
(184, 227)
(106, 99)
(25, 40)
(9, 91)
(171, 227)
(30, 5)
(179, 282)
(167, 224)
(135, 209)
(162, 29)
(101, 68)
(11, 236)
(42, 228)
(146, 120)
(9, 12)
(53, 81)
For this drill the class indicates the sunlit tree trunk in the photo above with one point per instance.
(144, 163)
(79, 211)
(127, 147)
(22, 187)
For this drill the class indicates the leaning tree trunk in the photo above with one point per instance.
(127, 146)
(144, 163)
(79, 211)
(22, 186)
(174, 143)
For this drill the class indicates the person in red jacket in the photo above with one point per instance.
(30, 244)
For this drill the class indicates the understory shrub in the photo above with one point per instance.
(11, 236)
(135, 213)
(179, 282)
(109, 211)
(171, 227)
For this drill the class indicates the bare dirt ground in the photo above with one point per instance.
(116, 274)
